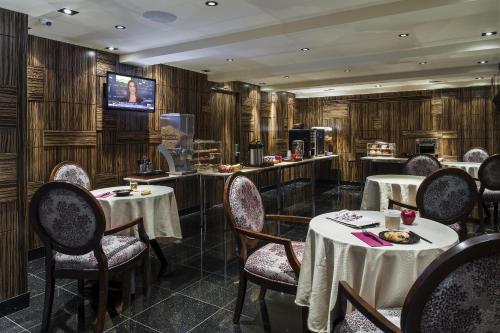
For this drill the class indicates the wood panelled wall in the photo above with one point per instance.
(13, 224)
(460, 118)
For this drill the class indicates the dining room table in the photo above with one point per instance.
(381, 274)
(380, 188)
(472, 168)
(158, 210)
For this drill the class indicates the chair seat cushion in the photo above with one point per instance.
(270, 262)
(355, 322)
(491, 196)
(118, 250)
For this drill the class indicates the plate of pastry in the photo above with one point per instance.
(399, 237)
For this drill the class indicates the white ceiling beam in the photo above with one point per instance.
(160, 54)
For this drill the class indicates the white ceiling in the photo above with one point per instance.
(264, 38)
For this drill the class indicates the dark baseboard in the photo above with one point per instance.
(36, 253)
(14, 304)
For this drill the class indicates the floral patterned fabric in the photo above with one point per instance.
(467, 300)
(476, 155)
(355, 322)
(246, 204)
(421, 165)
(445, 197)
(67, 218)
(270, 262)
(118, 250)
(489, 173)
(73, 174)
(491, 196)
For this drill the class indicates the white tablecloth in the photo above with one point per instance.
(470, 167)
(379, 189)
(158, 209)
(382, 275)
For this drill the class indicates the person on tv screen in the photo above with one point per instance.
(132, 96)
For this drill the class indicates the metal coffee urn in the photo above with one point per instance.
(256, 153)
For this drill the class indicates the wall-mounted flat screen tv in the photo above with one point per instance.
(133, 93)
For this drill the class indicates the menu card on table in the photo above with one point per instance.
(352, 219)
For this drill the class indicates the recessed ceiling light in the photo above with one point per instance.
(479, 78)
(229, 59)
(286, 77)
(329, 89)
(482, 62)
(435, 81)
(423, 63)
(404, 35)
(120, 27)
(262, 83)
(111, 48)
(68, 11)
(378, 86)
(347, 70)
(211, 3)
(205, 70)
(489, 33)
(305, 49)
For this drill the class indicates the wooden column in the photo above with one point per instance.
(13, 224)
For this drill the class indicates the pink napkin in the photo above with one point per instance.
(369, 241)
(104, 195)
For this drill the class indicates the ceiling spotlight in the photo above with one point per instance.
(111, 48)
(489, 33)
(329, 89)
(404, 35)
(347, 70)
(482, 62)
(479, 78)
(229, 59)
(305, 49)
(378, 86)
(435, 81)
(120, 27)
(205, 70)
(286, 77)
(68, 11)
(211, 3)
(423, 63)
(262, 83)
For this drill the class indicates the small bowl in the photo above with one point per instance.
(122, 193)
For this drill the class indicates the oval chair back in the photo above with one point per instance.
(489, 173)
(476, 155)
(447, 196)
(71, 172)
(421, 165)
(457, 292)
(67, 218)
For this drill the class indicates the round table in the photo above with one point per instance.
(158, 210)
(472, 168)
(382, 275)
(379, 189)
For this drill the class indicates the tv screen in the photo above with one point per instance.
(132, 93)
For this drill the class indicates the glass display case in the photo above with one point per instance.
(207, 155)
(177, 131)
(381, 149)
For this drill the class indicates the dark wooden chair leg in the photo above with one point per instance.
(159, 253)
(49, 298)
(495, 214)
(81, 306)
(242, 289)
(103, 300)
(262, 294)
(146, 271)
(305, 315)
(126, 290)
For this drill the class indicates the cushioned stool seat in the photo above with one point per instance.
(118, 250)
(355, 322)
(270, 262)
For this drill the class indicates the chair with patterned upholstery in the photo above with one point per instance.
(447, 196)
(275, 265)
(476, 155)
(421, 165)
(71, 172)
(489, 192)
(71, 224)
(457, 293)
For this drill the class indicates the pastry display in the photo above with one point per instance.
(381, 149)
(207, 155)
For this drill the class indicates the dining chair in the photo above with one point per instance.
(447, 196)
(71, 172)
(476, 155)
(421, 165)
(71, 224)
(274, 265)
(489, 191)
(457, 292)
